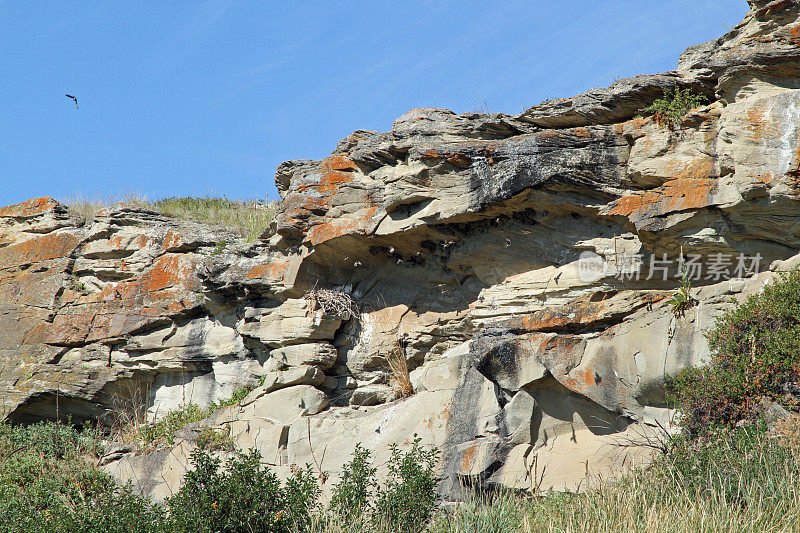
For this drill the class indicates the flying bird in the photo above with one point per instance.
(75, 99)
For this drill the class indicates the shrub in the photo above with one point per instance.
(755, 354)
(48, 483)
(351, 495)
(408, 498)
(241, 498)
(673, 106)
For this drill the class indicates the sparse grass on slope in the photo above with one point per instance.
(249, 218)
(740, 480)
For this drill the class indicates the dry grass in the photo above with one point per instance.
(248, 218)
(400, 378)
(745, 480)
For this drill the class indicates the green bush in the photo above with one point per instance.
(755, 355)
(48, 483)
(352, 494)
(241, 498)
(673, 106)
(408, 498)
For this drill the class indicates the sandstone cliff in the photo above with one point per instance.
(464, 239)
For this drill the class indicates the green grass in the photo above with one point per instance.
(162, 431)
(248, 218)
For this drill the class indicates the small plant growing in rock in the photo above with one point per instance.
(682, 298)
(219, 248)
(669, 110)
(400, 378)
(215, 440)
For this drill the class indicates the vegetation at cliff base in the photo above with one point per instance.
(755, 361)
(730, 469)
(50, 482)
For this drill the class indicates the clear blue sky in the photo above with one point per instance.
(192, 98)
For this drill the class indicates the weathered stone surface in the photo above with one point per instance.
(622, 101)
(300, 375)
(464, 240)
(321, 354)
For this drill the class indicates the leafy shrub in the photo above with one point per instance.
(48, 483)
(408, 498)
(351, 495)
(755, 354)
(241, 498)
(673, 106)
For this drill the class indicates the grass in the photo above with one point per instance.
(740, 480)
(162, 431)
(248, 218)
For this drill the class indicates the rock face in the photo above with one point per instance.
(490, 250)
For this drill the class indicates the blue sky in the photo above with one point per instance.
(196, 98)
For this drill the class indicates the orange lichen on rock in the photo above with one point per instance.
(458, 159)
(338, 227)
(759, 125)
(700, 168)
(272, 270)
(338, 170)
(430, 154)
(794, 35)
(31, 208)
(674, 196)
(44, 248)
(468, 458)
(172, 240)
(580, 313)
(169, 271)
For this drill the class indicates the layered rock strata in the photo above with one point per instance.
(492, 251)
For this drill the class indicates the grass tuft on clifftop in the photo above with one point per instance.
(249, 218)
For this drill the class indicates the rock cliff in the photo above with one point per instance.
(494, 252)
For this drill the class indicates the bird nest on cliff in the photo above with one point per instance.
(333, 302)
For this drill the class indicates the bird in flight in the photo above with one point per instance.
(75, 99)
